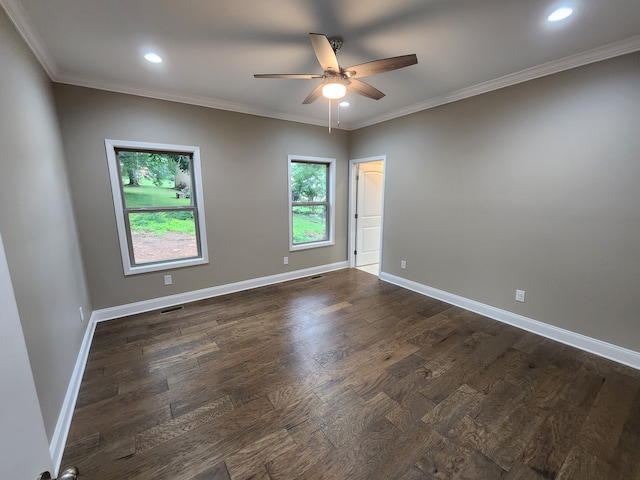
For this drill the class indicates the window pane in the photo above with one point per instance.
(310, 224)
(158, 236)
(155, 179)
(309, 182)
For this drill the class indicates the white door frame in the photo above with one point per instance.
(352, 203)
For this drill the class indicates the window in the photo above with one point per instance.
(157, 196)
(311, 200)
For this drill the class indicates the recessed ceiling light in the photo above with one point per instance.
(344, 103)
(560, 14)
(153, 57)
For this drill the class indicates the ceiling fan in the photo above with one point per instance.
(338, 80)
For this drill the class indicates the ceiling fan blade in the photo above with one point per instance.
(380, 66)
(299, 76)
(361, 88)
(314, 95)
(325, 54)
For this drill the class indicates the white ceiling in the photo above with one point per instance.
(212, 48)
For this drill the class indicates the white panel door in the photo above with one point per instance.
(24, 448)
(369, 211)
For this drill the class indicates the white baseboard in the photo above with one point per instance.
(193, 296)
(577, 340)
(59, 439)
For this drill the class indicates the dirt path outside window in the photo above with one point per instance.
(172, 245)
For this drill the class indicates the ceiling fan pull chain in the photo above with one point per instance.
(329, 115)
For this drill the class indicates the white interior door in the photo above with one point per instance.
(24, 448)
(369, 211)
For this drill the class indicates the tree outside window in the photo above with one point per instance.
(158, 205)
(311, 201)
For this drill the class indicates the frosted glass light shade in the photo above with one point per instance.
(334, 90)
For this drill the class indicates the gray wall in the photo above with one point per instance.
(37, 224)
(244, 169)
(532, 187)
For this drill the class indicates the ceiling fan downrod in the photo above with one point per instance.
(336, 43)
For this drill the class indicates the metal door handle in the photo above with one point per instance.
(70, 473)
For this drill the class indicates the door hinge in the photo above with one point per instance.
(356, 216)
(355, 252)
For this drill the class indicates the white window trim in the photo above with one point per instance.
(114, 175)
(332, 196)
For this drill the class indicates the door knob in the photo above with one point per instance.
(70, 473)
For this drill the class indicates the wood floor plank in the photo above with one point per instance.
(294, 389)
(506, 363)
(453, 368)
(250, 461)
(627, 461)
(414, 473)
(558, 433)
(181, 425)
(336, 464)
(464, 401)
(344, 428)
(499, 402)
(127, 413)
(343, 376)
(603, 426)
(295, 462)
(412, 383)
(402, 454)
(446, 459)
(412, 409)
(551, 444)
(583, 465)
(506, 444)
(217, 472)
(523, 472)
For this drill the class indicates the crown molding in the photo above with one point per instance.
(18, 16)
(606, 52)
(179, 97)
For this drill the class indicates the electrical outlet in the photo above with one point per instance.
(168, 280)
(81, 314)
(520, 296)
(285, 260)
(403, 264)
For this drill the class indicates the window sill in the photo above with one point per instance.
(157, 267)
(305, 246)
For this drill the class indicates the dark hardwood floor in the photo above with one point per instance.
(342, 376)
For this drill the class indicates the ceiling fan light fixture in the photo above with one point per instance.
(334, 90)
